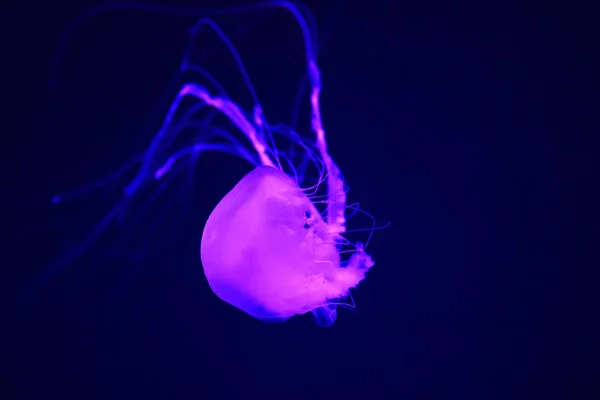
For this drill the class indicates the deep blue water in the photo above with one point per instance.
(443, 119)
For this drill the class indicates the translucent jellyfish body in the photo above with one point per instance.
(274, 246)
(266, 250)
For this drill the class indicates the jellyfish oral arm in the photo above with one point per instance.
(227, 107)
(336, 202)
(232, 111)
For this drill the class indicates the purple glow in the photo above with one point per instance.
(265, 249)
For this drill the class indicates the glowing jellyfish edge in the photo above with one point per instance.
(266, 250)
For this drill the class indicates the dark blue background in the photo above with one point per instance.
(443, 118)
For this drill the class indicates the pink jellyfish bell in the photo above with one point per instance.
(267, 251)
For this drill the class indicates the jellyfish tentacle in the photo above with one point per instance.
(233, 112)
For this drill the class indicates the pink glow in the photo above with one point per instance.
(267, 251)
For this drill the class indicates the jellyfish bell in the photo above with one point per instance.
(267, 251)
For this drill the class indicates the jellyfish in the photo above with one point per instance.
(274, 247)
